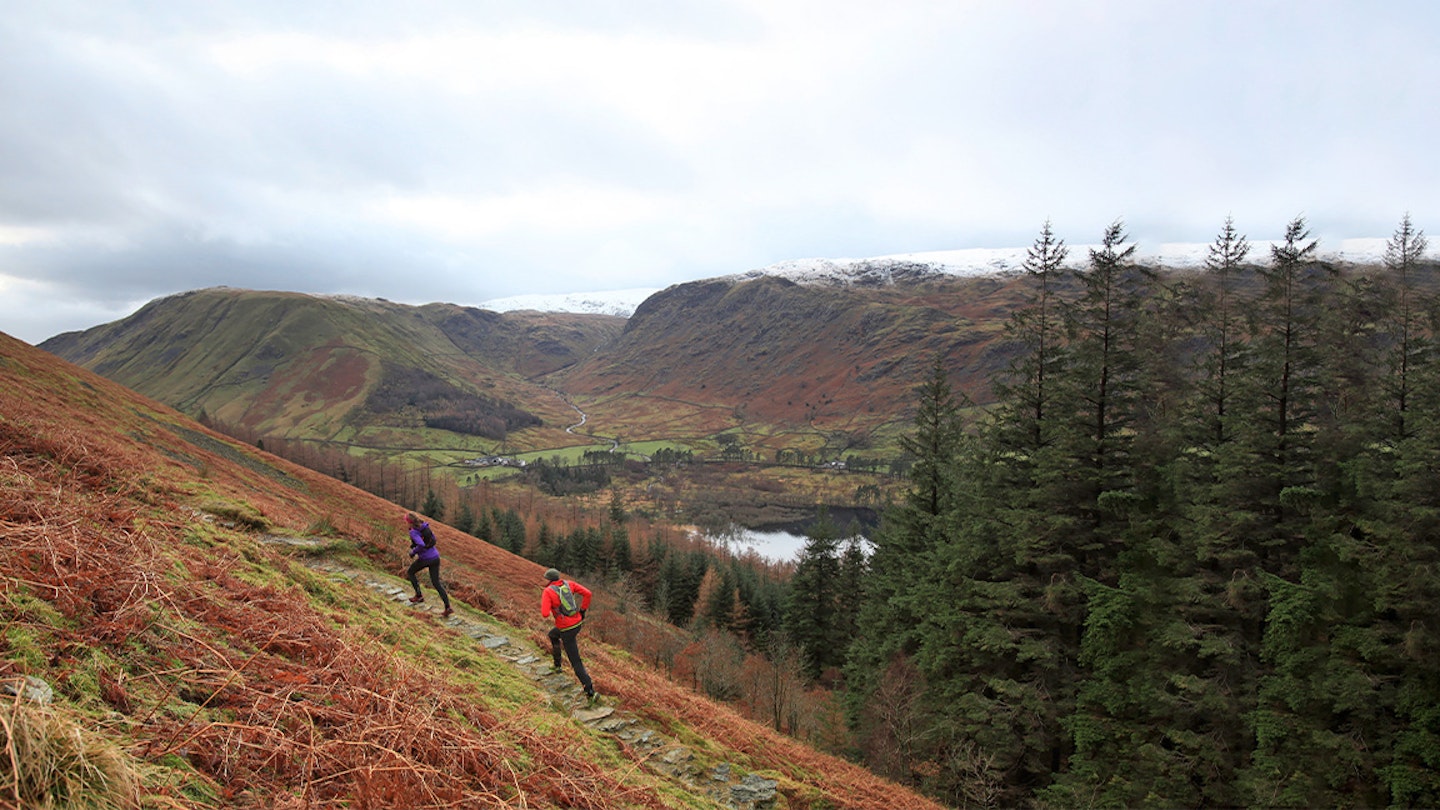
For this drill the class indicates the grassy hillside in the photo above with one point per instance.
(344, 369)
(779, 365)
(193, 661)
(787, 365)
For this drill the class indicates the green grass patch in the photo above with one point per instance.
(239, 515)
(26, 646)
(567, 455)
(172, 774)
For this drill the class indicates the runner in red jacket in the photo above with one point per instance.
(567, 602)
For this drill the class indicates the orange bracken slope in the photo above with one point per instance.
(229, 677)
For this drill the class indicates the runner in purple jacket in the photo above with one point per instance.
(422, 548)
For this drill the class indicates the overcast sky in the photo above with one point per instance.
(468, 150)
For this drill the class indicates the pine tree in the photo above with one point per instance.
(1104, 385)
(886, 618)
(1281, 387)
(850, 587)
(465, 520)
(1398, 490)
(1028, 387)
(621, 557)
(1221, 328)
(810, 614)
(719, 605)
(1410, 345)
(512, 531)
(434, 507)
(933, 445)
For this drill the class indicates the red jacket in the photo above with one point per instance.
(550, 604)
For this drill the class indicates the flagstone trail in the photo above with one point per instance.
(661, 755)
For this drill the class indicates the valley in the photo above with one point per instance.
(794, 391)
(1108, 587)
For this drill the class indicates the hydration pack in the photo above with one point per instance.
(569, 602)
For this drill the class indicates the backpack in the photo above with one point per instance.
(569, 602)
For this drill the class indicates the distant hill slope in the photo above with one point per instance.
(766, 349)
(292, 364)
(802, 355)
(694, 359)
(836, 346)
(149, 630)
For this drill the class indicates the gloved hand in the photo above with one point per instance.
(582, 614)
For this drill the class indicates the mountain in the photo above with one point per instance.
(962, 262)
(343, 368)
(817, 356)
(192, 622)
(746, 352)
(828, 352)
(803, 361)
(609, 302)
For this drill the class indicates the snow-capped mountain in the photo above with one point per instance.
(881, 270)
(610, 302)
(985, 261)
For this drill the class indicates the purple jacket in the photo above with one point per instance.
(422, 543)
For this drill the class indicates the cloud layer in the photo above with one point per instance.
(469, 150)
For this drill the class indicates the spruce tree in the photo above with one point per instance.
(434, 508)
(1410, 345)
(1036, 328)
(1315, 691)
(933, 445)
(1398, 487)
(850, 587)
(896, 584)
(483, 528)
(814, 604)
(465, 519)
(621, 560)
(1216, 609)
(1280, 390)
(1221, 328)
(887, 621)
(1103, 387)
(1229, 603)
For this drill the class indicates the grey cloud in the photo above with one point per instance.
(133, 164)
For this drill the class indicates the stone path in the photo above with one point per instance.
(660, 754)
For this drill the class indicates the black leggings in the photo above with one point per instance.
(566, 637)
(434, 566)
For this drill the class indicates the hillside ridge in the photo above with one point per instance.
(212, 669)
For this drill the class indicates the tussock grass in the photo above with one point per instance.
(243, 515)
(49, 762)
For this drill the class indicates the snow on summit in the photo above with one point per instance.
(612, 302)
(986, 261)
(881, 270)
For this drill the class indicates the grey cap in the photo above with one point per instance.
(551, 574)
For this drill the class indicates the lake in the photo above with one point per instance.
(780, 546)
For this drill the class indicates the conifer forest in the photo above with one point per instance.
(1188, 559)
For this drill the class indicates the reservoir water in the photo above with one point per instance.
(780, 546)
